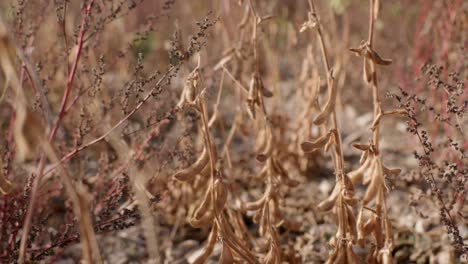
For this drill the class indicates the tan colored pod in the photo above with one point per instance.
(190, 172)
(330, 105)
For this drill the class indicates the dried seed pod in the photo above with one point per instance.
(256, 205)
(328, 203)
(374, 186)
(386, 256)
(245, 18)
(351, 220)
(330, 105)
(209, 246)
(264, 223)
(204, 206)
(252, 98)
(194, 169)
(375, 57)
(352, 257)
(364, 156)
(273, 255)
(368, 70)
(204, 220)
(331, 141)
(261, 140)
(341, 256)
(334, 254)
(257, 217)
(368, 174)
(226, 255)
(362, 147)
(368, 227)
(394, 172)
(308, 146)
(358, 174)
(221, 195)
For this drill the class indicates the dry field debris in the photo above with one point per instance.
(219, 131)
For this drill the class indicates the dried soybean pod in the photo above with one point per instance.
(308, 146)
(330, 105)
(328, 203)
(221, 195)
(194, 169)
(251, 206)
(204, 220)
(357, 174)
(209, 246)
(267, 149)
(204, 205)
(375, 184)
(226, 255)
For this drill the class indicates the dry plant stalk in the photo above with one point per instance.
(372, 171)
(212, 207)
(342, 198)
(268, 214)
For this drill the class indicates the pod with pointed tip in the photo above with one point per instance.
(190, 172)
(226, 255)
(308, 146)
(266, 150)
(221, 195)
(357, 174)
(330, 105)
(328, 203)
(209, 246)
(375, 184)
